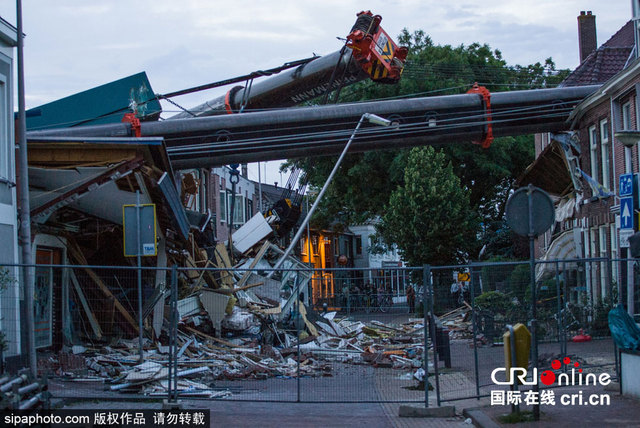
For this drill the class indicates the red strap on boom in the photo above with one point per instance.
(135, 123)
(484, 93)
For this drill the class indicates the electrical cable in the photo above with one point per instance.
(339, 137)
(480, 114)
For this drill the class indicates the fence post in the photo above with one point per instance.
(610, 291)
(297, 322)
(562, 318)
(432, 332)
(173, 337)
(608, 274)
(426, 271)
(559, 303)
(474, 322)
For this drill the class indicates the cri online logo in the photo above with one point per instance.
(548, 377)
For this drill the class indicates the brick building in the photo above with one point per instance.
(581, 168)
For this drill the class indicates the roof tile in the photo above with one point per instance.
(606, 61)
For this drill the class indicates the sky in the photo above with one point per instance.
(73, 45)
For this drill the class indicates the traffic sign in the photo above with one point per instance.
(626, 213)
(148, 236)
(521, 205)
(464, 277)
(625, 234)
(626, 185)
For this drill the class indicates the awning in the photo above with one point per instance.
(566, 246)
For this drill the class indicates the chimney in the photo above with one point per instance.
(586, 34)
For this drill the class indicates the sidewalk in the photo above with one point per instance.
(266, 414)
(622, 411)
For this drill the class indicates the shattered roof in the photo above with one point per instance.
(550, 171)
(606, 61)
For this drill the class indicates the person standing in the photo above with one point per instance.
(411, 299)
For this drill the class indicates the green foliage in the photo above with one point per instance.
(361, 190)
(600, 319)
(516, 417)
(519, 283)
(6, 279)
(429, 217)
(496, 276)
(493, 301)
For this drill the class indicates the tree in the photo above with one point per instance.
(362, 187)
(430, 217)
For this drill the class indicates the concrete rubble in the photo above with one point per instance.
(237, 324)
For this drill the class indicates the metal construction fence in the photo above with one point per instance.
(301, 334)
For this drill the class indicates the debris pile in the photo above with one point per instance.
(203, 359)
(236, 321)
(458, 322)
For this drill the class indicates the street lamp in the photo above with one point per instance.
(628, 140)
(369, 117)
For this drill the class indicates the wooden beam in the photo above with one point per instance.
(95, 326)
(222, 260)
(84, 155)
(77, 254)
(253, 264)
(215, 339)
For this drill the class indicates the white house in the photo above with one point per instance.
(378, 262)
(9, 297)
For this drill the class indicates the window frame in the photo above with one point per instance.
(626, 116)
(593, 146)
(223, 206)
(238, 208)
(605, 156)
(6, 142)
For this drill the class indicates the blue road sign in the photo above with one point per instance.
(626, 213)
(626, 185)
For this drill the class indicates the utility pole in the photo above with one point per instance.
(369, 117)
(25, 208)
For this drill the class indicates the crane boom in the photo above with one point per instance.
(368, 53)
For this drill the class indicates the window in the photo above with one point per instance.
(191, 186)
(603, 265)
(223, 205)
(593, 144)
(314, 245)
(585, 242)
(249, 209)
(6, 144)
(613, 234)
(591, 266)
(238, 209)
(626, 125)
(626, 116)
(358, 245)
(605, 150)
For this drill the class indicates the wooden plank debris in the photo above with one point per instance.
(79, 257)
(93, 322)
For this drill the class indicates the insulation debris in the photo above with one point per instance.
(237, 322)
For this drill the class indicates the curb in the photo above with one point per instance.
(480, 418)
(426, 412)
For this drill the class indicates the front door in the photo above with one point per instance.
(47, 280)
